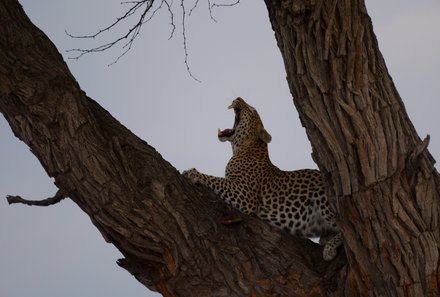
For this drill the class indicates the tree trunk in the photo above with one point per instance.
(381, 178)
(382, 181)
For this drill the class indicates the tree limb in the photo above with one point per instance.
(60, 195)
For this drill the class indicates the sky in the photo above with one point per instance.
(56, 251)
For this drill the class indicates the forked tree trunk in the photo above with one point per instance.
(383, 181)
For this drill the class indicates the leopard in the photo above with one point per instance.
(295, 201)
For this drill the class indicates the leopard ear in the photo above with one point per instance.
(264, 135)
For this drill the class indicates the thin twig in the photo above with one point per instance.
(210, 11)
(135, 33)
(153, 13)
(172, 19)
(194, 7)
(130, 2)
(130, 12)
(226, 4)
(184, 42)
(211, 6)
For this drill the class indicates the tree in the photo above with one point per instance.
(381, 177)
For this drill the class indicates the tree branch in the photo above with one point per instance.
(134, 30)
(60, 195)
(129, 12)
(185, 41)
(131, 35)
(225, 4)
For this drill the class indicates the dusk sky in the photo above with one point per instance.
(56, 251)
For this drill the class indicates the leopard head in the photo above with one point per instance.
(247, 129)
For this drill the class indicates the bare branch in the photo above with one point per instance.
(172, 19)
(210, 11)
(194, 7)
(130, 2)
(153, 13)
(134, 30)
(137, 29)
(60, 195)
(225, 4)
(212, 5)
(130, 12)
(184, 41)
(131, 35)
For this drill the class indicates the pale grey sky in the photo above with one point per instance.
(56, 251)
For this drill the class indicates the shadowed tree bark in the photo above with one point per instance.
(381, 178)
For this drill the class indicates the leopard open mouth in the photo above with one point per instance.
(229, 132)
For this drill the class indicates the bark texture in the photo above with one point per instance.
(167, 229)
(383, 184)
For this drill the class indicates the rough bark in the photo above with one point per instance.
(382, 181)
(167, 229)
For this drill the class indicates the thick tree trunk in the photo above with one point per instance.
(167, 229)
(382, 180)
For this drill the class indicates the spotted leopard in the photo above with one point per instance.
(290, 200)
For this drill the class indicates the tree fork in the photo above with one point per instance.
(166, 228)
(382, 180)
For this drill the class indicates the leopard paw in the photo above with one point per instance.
(331, 247)
(192, 174)
(329, 253)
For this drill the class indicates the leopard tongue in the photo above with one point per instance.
(225, 133)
